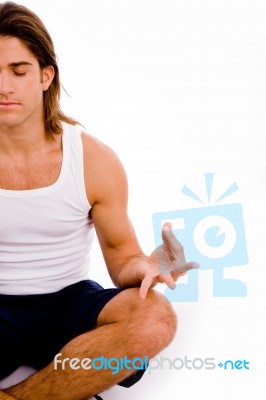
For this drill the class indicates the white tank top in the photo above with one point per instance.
(46, 233)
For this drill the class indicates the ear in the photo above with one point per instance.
(47, 77)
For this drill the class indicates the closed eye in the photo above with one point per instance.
(19, 73)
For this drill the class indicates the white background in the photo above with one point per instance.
(178, 89)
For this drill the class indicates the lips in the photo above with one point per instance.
(9, 103)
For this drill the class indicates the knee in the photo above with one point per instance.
(149, 325)
(155, 322)
(160, 319)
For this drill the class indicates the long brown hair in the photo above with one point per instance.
(20, 22)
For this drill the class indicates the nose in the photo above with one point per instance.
(6, 86)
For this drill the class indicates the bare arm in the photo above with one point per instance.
(107, 192)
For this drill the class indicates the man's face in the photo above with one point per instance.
(22, 84)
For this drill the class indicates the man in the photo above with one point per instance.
(56, 183)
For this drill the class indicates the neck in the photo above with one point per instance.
(23, 140)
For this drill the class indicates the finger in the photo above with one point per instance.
(177, 266)
(170, 240)
(145, 286)
(168, 279)
(183, 269)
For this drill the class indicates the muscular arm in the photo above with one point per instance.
(107, 192)
(128, 266)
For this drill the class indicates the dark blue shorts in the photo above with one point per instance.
(34, 328)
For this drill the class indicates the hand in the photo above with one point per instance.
(166, 263)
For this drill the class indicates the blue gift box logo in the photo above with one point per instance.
(213, 236)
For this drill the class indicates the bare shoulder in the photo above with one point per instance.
(104, 173)
(94, 147)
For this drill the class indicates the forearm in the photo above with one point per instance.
(128, 274)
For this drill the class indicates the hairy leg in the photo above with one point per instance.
(127, 326)
(4, 396)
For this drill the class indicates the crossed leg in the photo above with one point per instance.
(4, 396)
(127, 326)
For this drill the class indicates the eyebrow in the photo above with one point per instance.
(19, 63)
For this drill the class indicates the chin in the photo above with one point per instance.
(10, 122)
